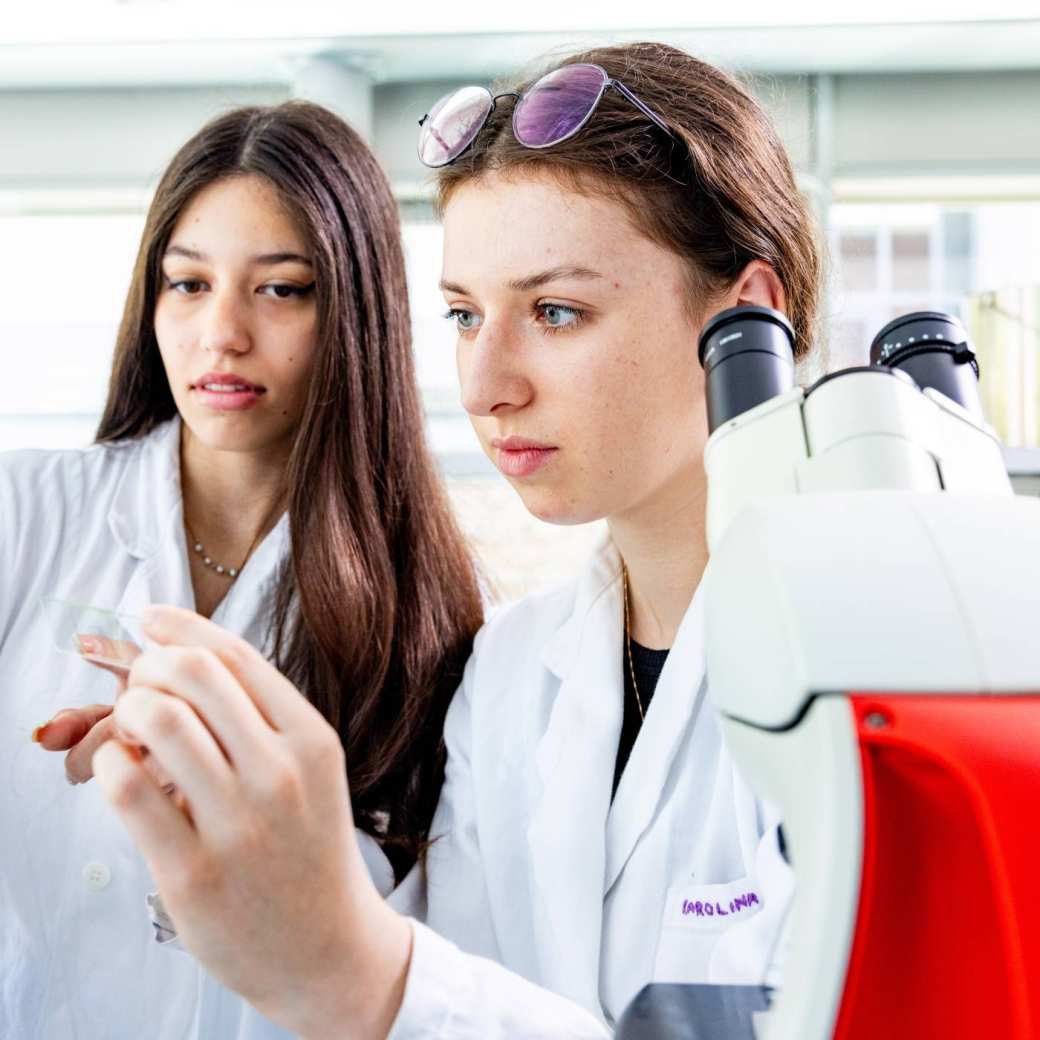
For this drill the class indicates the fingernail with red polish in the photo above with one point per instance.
(37, 734)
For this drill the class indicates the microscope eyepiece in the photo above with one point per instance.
(747, 354)
(934, 349)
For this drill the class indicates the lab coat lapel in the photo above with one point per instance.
(574, 763)
(246, 609)
(679, 696)
(146, 520)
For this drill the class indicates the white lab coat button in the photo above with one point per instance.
(96, 876)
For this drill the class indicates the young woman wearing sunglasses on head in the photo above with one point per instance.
(262, 459)
(592, 834)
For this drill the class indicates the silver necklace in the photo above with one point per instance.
(208, 561)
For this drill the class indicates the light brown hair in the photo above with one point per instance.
(720, 194)
(376, 607)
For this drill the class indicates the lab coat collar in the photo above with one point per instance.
(149, 491)
(574, 767)
(677, 702)
(146, 518)
(563, 650)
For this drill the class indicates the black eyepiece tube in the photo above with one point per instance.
(934, 349)
(748, 357)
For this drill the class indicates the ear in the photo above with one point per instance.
(757, 284)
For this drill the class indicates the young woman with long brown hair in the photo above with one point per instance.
(594, 218)
(261, 459)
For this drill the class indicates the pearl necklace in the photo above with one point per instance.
(207, 561)
(218, 568)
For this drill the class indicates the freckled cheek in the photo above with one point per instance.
(603, 432)
(621, 407)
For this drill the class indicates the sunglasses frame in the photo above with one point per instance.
(493, 99)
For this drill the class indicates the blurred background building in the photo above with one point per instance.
(916, 137)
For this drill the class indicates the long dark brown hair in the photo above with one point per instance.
(720, 194)
(377, 604)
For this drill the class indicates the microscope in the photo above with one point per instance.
(873, 653)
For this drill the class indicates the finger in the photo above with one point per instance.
(120, 671)
(162, 832)
(156, 772)
(183, 748)
(78, 768)
(200, 677)
(70, 726)
(114, 655)
(281, 704)
(79, 761)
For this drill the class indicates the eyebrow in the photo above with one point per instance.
(263, 258)
(533, 281)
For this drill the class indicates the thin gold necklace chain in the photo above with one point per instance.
(628, 645)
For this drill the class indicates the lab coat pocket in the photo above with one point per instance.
(748, 954)
(696, 919)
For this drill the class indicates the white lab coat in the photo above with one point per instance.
(78, 960)
(531, 865)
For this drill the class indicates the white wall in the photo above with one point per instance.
(106, 138)
(932, 122)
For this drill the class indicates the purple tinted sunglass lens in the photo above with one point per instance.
(452, 124)
(557, 105)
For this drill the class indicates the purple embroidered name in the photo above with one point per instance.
(738, 905)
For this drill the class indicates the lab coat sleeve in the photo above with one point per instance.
(451, 995)
(38, 490)
(448, 889)
(11, 529)
(456, 995)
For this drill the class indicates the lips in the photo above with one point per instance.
(520, 457)
(226, 392)
(226, 382)
(228, 388)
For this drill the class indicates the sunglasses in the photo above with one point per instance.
(553, 109)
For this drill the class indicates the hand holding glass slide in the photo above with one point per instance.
(108, 640)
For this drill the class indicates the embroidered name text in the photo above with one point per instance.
(735, 906)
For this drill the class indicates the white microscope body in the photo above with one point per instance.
(873, 647)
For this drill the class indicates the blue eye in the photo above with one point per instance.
(465, 321)
(557, 316)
